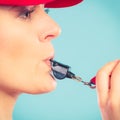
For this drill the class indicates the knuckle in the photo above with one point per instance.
(100, 73)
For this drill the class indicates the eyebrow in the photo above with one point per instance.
(18, 8)
(23, 7)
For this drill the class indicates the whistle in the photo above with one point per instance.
(61, 71)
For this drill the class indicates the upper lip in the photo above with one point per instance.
(47, 59)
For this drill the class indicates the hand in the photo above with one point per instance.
(108, 90)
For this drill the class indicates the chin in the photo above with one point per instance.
(38, 89)
(43, 83)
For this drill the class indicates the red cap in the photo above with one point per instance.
(48, 3)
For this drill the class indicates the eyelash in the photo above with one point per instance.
(47, 10)
(26, 14)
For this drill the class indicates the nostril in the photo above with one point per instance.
(44, 37)
(48, 37)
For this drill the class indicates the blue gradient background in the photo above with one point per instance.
(89, 39)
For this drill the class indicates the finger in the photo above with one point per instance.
(103, 81)
(115, 82)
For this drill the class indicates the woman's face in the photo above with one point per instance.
(25, 49)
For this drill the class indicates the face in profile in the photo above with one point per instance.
(25, 49)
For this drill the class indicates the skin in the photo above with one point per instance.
(25, 51)
(108, 90)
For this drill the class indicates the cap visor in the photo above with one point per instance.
(62, 3)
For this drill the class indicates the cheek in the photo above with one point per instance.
(20, 56)
(12, 40)
(17, 41)
(18, 50)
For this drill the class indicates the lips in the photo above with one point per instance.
(47, 60)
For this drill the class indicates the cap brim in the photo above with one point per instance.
(62, 3)
(23, 2)
(48, 3)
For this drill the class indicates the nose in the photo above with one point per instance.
(50, 30)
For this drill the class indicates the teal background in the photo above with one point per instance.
(89, 39)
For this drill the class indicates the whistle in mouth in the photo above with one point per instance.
(61, 71)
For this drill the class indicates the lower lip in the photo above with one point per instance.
(48, 62)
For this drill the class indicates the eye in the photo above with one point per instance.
(47, 10)
(26, 14)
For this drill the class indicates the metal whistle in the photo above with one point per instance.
(61, 71)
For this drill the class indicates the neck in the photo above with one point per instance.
(7, 102)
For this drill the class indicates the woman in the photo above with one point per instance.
(26, 32)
